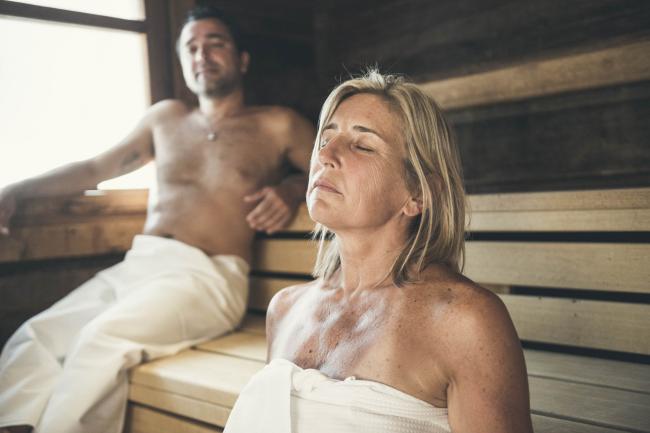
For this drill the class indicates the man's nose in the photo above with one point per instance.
(199, 54)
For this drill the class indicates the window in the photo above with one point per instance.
(73, 84)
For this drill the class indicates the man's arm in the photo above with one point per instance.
(131, 153)
(277, 204)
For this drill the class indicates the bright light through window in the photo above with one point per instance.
(127, 9)
(68, 93)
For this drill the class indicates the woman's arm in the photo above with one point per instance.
(488, 384)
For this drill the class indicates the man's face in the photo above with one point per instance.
(211, 64)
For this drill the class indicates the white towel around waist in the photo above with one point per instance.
(284, 398)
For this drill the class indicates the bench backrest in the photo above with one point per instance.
(572, 267)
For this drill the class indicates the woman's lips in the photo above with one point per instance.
(325, 186)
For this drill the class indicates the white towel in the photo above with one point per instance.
(284, 398)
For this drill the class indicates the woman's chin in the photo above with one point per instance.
(322, 213)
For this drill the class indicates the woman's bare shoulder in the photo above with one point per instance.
(284, 299)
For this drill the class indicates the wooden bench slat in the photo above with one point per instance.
(224, 372)
(619, 65)
(238, 344)
(616, 326)
(262, 290)
(613, 220)
(95, 237)
(600, 199)
(284, 255)
(220, 381)
(177, 404)
(622, 267)
(602, 372)
(142, 419)
(597, 266)
(547, 424)
(588, 403)
(255, 323)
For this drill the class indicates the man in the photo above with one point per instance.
(222, 173)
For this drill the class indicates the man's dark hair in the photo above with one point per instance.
(205, 11)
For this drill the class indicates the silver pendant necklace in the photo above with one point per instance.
(212, 134)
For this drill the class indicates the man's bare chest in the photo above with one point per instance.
(235, 154)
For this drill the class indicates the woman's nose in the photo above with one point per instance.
(329, 153)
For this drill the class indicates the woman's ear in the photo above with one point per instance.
(413, 207)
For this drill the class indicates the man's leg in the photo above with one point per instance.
(168, 313)
(31, 361)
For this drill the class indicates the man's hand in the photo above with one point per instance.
(7, 209)
(274, 209)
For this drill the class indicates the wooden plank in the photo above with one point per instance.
(449, 38)
(254, 323)
(184, 406)
(607, 407)
(141, 419)
(301, 222)
(93, 203)
(601, 199)
(611, 66)
(546, 424)
(238, 344)
(220, 381)
(605, 325)
(284, 255)
(507, 147)
(98, 236)
(597, 266)
(583, 369)
(262, 290)
(612, 220)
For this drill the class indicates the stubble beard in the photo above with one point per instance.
(220, 87)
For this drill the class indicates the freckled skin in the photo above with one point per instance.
(442, 339)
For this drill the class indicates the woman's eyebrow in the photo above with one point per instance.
(361, 128)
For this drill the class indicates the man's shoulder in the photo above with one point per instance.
(277, 116)
(168, 108)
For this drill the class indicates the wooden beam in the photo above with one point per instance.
(142, 419)
(98, 236)
(585, 265)
(607, 407)
(617, 326)
(584, 369)
(607, 67)
(220, 381)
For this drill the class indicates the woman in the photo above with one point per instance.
(390, 337)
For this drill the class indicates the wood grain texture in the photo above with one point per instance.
(95, 237)
(238, 344)
(606, 407)
(262, 290)
(187, 407)
(435, 40)
(605, 325)
(587, 265)
(547, 424)
(611, 66)
(583, 369)
(142, 419)
(220, 381)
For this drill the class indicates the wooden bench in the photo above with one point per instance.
(573, 269)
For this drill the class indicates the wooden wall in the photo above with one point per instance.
(569, 132)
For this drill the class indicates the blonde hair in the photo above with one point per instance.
(433, 173)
